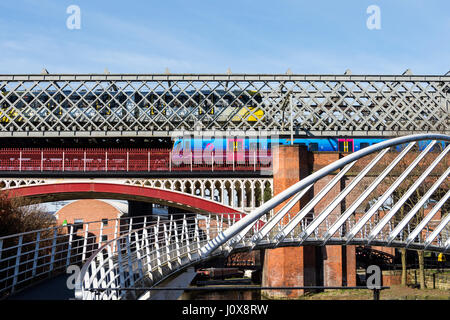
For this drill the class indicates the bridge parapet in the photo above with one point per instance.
(128, 162)
(33, 256)
(147, 256)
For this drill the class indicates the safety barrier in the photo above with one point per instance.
(29, 257)
(130, 160)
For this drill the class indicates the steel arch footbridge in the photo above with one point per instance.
(145, 264)
(396, 195)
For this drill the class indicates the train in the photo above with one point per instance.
(263, 145)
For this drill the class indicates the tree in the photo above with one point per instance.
(17, 216)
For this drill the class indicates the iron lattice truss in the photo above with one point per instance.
(163, 105)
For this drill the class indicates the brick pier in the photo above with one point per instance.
(306, 265)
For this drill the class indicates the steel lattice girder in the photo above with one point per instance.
(163, 105)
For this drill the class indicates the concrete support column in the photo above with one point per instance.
(291, 266)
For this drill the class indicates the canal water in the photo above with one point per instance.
(222, 295)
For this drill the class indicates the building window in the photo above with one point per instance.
(77, 224)
(105, 222)
(104, 238)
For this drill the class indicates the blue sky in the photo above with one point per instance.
(211, 36)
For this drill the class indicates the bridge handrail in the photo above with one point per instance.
(54, 248)
(128, 160)
(172, 243)
(68, 224)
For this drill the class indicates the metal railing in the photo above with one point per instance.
(129, 160)
(142, 257)
(29, 257)
(148, 255)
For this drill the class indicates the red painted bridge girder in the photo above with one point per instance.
(95, 190)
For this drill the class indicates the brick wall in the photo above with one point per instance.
(394, 277)
(90, 210)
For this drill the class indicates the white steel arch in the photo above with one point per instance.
(238, 231)
(300, 229)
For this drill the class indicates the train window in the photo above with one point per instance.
(363, 145)
(314, 146)
(230, 145)
(238, 145)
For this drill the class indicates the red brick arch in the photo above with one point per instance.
(93, 190)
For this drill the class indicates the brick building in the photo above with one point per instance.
(98, 211)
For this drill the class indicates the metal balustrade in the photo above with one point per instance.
(30, 257)
(146, 256)
(128, 160)
(125, 105)
(364, 220)
(36, 255)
